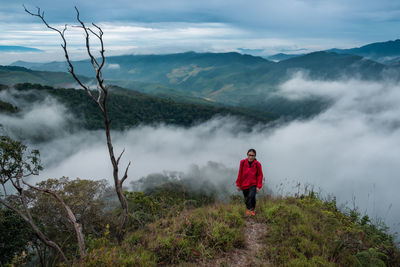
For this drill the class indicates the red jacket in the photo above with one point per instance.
(249, 176)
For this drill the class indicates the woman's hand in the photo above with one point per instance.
(238, 188)
(258, 189)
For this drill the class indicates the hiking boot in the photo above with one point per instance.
(253, 213)
(248, 212)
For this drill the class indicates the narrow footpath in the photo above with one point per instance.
(247, 256)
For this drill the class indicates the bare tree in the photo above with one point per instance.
(15, 165)
(100, 98)
(70, 214)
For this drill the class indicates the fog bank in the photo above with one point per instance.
(350, 150)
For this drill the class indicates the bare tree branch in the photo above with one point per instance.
(120, 156)
(101, 102)
(64, 46)
(92, 58)
(125, 174)
(71, 216)
(35, 229)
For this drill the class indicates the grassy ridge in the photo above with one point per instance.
(199, 233)
(307, 231)
(304, 231)
(171, 224)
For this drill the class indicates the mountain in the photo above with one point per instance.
(382, 52)
(11, 48)
(253, 102)
(129, 108)
(329, 65)
(229, 78)
(10, 75)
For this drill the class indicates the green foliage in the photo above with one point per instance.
(160, 200)
(172, 223)
(200, 233)
(178, 238)
(372, 257)
(16, 161)
(84, 197)
(166, 230)
(10, 75)
(129, 108)
(307, 231)
(224, 77)
(15, 236)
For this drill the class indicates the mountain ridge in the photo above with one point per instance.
(227, 78)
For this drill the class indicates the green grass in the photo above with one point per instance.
(307, 231)
(303, 231)
(197, 233)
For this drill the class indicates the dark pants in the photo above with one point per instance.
(250, 197)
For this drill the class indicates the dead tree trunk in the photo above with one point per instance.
(101, 100)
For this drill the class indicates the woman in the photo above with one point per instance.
(250, 180)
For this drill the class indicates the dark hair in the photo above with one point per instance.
(252, 150)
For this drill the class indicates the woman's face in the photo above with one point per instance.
(251, 156)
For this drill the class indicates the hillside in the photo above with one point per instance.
(331, 66)
(128, 108)
(173, 224)
(10, 75)
(380, 51)
(170, 107)
(228, 78)
(289, 231)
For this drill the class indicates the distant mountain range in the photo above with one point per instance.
(221, 78)
(383, 52)
(259, 108)
(229, 78)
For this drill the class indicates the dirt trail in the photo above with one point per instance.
(247, 256)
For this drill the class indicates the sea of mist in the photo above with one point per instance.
(349, 151)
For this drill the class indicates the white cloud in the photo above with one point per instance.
(112, 66)
(41, 120)
(176, 26)
(350, 149)
(149, 38)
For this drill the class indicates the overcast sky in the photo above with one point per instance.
(159, 26)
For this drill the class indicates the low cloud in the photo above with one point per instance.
(113, 66)
(37, 121)
(349, 150)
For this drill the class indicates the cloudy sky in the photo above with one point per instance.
(159, 26)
